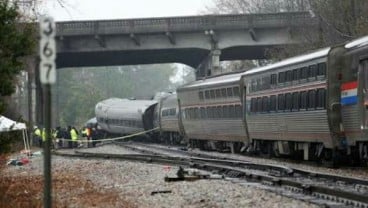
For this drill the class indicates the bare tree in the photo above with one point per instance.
(257, 6)
(338, 21)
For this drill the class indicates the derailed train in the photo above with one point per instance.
(313, 106)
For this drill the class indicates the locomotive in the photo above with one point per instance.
(312, 107)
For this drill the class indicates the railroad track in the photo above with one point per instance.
(322, 189)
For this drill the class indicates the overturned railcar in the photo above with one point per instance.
(125, 116)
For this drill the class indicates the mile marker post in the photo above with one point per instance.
(47, 78)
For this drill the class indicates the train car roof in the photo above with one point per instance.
(357, 43)
(294, 60)
(213, 81)
(126, 103)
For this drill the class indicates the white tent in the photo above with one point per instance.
(7, 125)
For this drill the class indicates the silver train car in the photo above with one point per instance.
(313, 106)
(168, 120)
(125, 116)
(212, 113)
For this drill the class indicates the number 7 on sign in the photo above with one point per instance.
(47, 72)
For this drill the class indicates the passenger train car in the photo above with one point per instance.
(212, 112)
(125, 116)
(313, 106)
(168, 120)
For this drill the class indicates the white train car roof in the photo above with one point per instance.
(357, 43)
(116, 107)
(290, 61)
(125, 103)
(220, 80)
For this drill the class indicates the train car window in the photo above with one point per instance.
(300, 73)
(312, 70)
(305, 72)
(321, 69)
(238, 113)
(321, 98)
(266, 83)
(191, 116)
(231, 111)
(207, 94)
(213, 111)
(281, 102)
(303, 100)
(219, 111)
(196, 113)
(253, 105)
(289, 76)
(226, 111)
(253, 85)
(209, 113)
(229, 92)
(200, 94)
(296, 100)
(212, 94)
(203, 113)
(265, 104)
(236, 91)
(273, 103)
(259, 84)
(259, 104)
(281, 77)
(218, 93)
(273, 79)
(295, 74)
(288, 101)
(173, 111)
(311, 99)
(223, 92)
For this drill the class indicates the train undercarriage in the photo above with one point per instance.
(354, 155)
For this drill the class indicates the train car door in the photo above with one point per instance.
(363, 79)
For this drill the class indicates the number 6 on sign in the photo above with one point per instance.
(47, 72)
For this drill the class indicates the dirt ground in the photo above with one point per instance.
(69, 190)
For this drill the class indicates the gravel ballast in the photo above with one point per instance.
(134, 183)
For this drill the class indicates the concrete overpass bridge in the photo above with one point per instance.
(198, 41)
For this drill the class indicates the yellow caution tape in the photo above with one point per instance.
(110, 139)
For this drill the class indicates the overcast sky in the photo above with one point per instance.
(122, 9)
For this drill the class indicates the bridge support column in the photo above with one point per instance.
(210, 65)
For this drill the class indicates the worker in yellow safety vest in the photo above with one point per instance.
(74, 136)
(37, 136)
(43, 135)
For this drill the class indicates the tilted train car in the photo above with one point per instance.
(212, 113)
(312, 105)
(169, 122)
(124, 116)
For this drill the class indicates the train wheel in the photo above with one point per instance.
(330, 158)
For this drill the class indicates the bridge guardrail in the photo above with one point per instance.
(178, 24)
